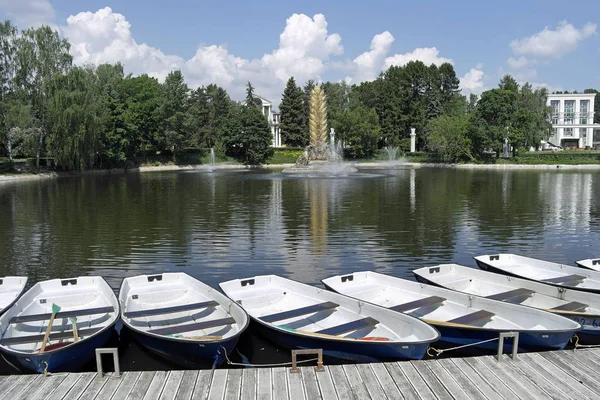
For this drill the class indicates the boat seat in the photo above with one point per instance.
(470, 319)
(564, 279)
(170, 310)
(572, 306)
(511, 294)
(425, 302)
(62, 314)
(299, 311)
(53, 336)
(349, 326)
(172, 330)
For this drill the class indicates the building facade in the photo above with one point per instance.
(572, 118)
(274, 119)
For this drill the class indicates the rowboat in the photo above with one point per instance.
(542, 271)
(581, 307)
(460, 318)
(299, 316)
(57, 324)
(11, 288)
(590, 263)
(181, 319)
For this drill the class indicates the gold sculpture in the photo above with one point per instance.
(318, 118)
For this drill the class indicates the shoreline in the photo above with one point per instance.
(359, 166)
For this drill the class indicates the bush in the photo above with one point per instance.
(285, 155)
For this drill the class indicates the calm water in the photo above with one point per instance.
(223, 225)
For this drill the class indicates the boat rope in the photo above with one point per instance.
(440, 351)
(285, 364)
(581, 346)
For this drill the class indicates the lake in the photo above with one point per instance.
(230, 224)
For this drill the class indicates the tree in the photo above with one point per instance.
(596, 104)
(174, 110)
(291, 108)
(308, 87)
(495, 110)
(508, 83)
(359, 130)
(449, 137)
(8, 36)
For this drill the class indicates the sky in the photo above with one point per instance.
(547, 43)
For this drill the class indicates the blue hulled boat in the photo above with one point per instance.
(181, 319)
(299, 316)
(461, 319)
(58, 324)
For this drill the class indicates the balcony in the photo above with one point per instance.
(572, 118)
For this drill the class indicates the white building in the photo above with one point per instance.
(572, 118)
(274, 119)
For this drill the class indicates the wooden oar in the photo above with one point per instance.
(324, 335)
(74, 323)
(55, 310)
(436, 322)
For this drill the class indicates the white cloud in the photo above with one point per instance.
(518, 63)
(472, 81)
(105, 37)
(26, 13)
(428, 55)
(369, 63)
(553, 43)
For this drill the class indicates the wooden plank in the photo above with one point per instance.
(279, 377)
(575, 370)
(141, 385)
(295, 386)
(156, 386)
(172, 330)
(371, 382)
(358, 386)
(61, 390)
(567, 382)
(62, 314)
(233, 387)
(128, 380)
(385, 380)
(311, 387)
(401, 381)
(249, 383)
(202, 387)
(443, 376)
(299, 312)
(474, 377)
(582, 359)
(91, 391)
(523, 387)
(170, 310)
(432, 381)
(9, 382)
(510, 294)
(187, 384)
(470, 319)
(48, 386)
(424, 302)
(217, 386)
(588, 356)
(493, 380)
(107, 391)
(415, 380)
(524, 367)
(349, 326)
(340, 382)
(461, 379)
(53, 336)
(80, 386)
(172, 385)
(326, 385)
(26, 387)
(265, 388)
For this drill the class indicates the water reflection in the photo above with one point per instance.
(219, 226)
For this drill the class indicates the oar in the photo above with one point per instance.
(55, 310)
(437, 322)
(74, 322)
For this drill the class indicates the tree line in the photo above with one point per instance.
(86, 117)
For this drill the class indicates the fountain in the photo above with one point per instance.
(211, 166)
(391, 152)
(319, 156)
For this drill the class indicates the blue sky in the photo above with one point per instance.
(229, 42)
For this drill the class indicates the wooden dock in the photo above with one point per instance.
(557, 375)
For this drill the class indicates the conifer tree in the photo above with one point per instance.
(291, 107)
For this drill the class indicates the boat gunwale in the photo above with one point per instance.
(17, 297)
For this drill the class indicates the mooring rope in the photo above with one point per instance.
(582, 346)
(285, 364)
(438, 351)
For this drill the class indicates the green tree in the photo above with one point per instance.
(291, 108)
(596, 104)
(449, 138)
(174, 111)
(508, 83)
(495, 111)
(308, 87)
(359, 130)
